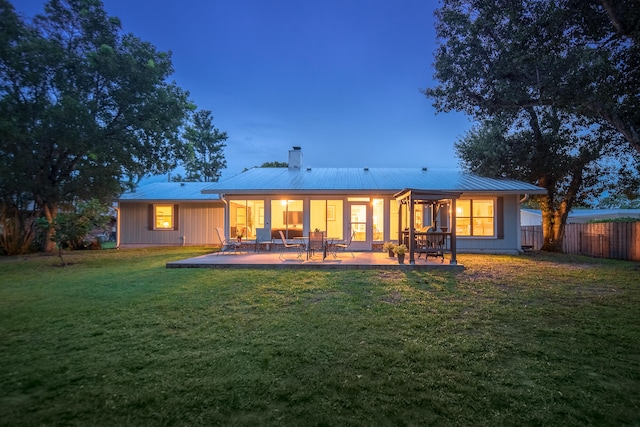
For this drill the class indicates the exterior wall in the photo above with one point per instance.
(197, 221)
(509, 244)
(196, 224)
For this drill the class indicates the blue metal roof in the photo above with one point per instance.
(171, 191)
(268, 180)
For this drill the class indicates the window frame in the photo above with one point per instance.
(153, 217)
(495, 217)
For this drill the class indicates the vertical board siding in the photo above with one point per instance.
(195, 225)
(616, 240)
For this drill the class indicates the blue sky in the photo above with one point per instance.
(341, 79)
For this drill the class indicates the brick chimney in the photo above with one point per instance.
(295, 158)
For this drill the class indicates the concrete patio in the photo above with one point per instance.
(271, 260)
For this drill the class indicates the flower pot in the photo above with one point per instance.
(391, 254)
(400, 259)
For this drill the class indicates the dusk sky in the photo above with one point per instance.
(340, 78)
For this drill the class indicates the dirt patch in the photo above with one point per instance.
(393, 297)
(391, 276)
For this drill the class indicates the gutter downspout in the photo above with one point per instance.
(224, 219)
(118, 226)
(519, 236)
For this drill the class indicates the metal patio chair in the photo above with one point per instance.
(263, 238)
(335, 247)
(226, 245)
(286, 246)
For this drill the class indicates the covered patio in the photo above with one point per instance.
(272, 260)
(438, 237)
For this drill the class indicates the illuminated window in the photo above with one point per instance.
(163, 217)
(326, 215)
(286, 215)
(378, 219)
(475, 218)
(245, 216)
(393, 220)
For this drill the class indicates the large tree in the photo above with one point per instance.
(582, 56)
(553, 149)
(83, 108)
(552, 67)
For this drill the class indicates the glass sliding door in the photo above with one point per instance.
(326, 215)
(244, 217)
(287, 216)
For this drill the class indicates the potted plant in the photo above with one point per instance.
(388, 247)
(239, 235)
(400, 250)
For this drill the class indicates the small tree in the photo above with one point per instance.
(71, 228)
(205, 144)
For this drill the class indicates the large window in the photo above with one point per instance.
(163, 217)
(475, 218)
(326, 215)
(286, 215)
(378, 220)
(245, 216)
(393, 220)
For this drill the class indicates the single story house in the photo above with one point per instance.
(580, 216)
(366, 205)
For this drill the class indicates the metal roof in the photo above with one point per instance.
(171, 191)
(333, 180)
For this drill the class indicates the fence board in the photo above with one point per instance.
(617, 240)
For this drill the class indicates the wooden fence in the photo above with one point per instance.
(617, 240)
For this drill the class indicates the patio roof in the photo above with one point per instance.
(425, 196)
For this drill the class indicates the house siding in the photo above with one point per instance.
(196, 224)
(510, 243)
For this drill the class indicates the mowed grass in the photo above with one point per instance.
(115, 338)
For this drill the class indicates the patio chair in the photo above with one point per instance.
(226, 245)
(316, 243)
(421, 244)
(335, 247)
(434, 247)
(263, 238)
(286, 246)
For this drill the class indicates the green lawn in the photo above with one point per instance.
(117, 339)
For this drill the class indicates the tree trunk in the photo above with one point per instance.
(549, 236)
(553, 225)
(18, 230)
(50, 212)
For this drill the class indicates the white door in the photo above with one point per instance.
(359, 227)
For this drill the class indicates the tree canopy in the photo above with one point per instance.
(554, 86)
(582, 56)
(84, 109)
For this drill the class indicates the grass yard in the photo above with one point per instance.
(116, 339)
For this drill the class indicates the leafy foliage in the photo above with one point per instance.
(205, 144)
(581, 56)
(71, 228)
(550, 83)
(83, 108)
(274, 164)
